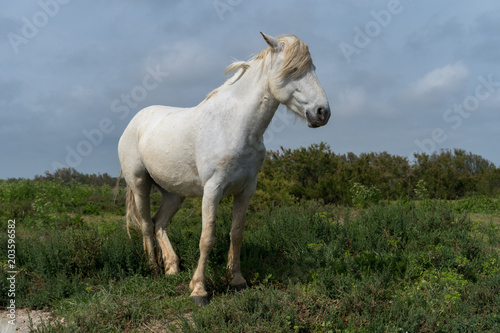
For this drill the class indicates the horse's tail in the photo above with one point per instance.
(132, 215)
(117, 186)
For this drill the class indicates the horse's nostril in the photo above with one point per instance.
(323, 112)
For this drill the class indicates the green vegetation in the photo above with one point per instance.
(317, 173)
(405, 262)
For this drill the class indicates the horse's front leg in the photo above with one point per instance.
(211, 199)
(240, 206)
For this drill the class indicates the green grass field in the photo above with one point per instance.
(414, 266)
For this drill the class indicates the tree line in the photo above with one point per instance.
(317, 173)
(71, 176)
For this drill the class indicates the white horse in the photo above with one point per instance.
(214, 149)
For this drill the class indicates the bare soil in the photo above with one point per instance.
(23, 320)
(23, 323)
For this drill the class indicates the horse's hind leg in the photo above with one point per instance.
(170, 204)
(141, 187)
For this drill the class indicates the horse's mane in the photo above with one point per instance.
(297, 61)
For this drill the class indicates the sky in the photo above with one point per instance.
(401, 76)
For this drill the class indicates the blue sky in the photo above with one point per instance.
(401, 76)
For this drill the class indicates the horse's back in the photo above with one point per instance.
(159, 142)
(142, 122)
(148, 120)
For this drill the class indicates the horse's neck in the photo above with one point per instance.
(250, 103)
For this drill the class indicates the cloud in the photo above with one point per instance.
(9, 91)
(492, 104)
(446, 79)
(81, 93)
(351, 101)
(436, 31)
(488, 23)
(7, 24)
(438, 85)
(186, 61)
(485, 38)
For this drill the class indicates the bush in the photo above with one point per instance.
(54, 264)
(477, 204)
(363, 196)
(317, 173)
(43, 202)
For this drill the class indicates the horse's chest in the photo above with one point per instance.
(236, 172)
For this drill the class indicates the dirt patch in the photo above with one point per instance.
(173, 326)
(38, 316)
(23, 320)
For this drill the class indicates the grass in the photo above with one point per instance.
(395, 267)
(131, 302)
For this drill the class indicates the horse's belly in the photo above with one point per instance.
(184, 189)
(181, 179)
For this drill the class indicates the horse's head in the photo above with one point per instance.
(293, 80)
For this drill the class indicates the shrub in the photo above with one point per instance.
(363, 196)
(477, 204)
(53, 265)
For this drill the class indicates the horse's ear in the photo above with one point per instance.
(274, 43)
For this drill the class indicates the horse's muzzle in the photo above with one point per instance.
(319, 117)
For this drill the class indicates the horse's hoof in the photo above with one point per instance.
(201, 301)
(174, 270)
(240, 287)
